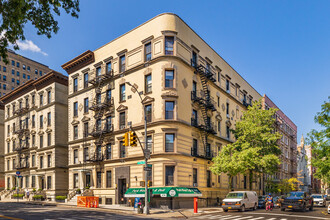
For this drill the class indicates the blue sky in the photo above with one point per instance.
(282, 48)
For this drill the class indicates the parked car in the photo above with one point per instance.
(298, 201)
(240, 200)
(261, 202)
(319, 200)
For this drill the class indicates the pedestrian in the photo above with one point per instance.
(28, 195)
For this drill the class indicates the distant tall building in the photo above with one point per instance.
(19, 70)
(288, 142)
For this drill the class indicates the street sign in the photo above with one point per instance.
(147, 168)
(18, 173)
(141, 162)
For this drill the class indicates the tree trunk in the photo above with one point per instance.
(250, 179)
(230, 182)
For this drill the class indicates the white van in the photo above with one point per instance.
(240, 200)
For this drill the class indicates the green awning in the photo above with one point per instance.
(165, 192)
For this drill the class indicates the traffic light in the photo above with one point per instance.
(132, 139)
(126, 139)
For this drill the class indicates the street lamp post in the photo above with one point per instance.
(145, 152)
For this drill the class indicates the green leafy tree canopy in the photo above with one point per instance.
(16, 13)
(320, 143)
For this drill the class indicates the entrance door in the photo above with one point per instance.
(42, 183)
(121, 190)
(88, 179)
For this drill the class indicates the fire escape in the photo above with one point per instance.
(206, 104)
(102, 106)
(22, 131)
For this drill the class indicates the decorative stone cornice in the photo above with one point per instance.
(121, 108)
(79, 62)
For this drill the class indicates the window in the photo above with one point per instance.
(169, 43)
(98, 179)
(17, 73)
(194, 151)
(148, 83)
(122, 92)
(33, 140)
(148, 112)
(208, 150)
(49, 160)
(13, 80)
(41, 162)
(75, 109)
(28, 68)
(227, 86)
(49, 139)
(85, 80)
(108, 95)
(8, 164)
(98, 71)
(41, 121)
(36, 71)
(4, 78)
(33, 184)
(75, 156)
(86, 129)
(33, 99)
(86, 105)
(75, 84)
(169, 142)
(108, 67)
(41, 140)
(227, 109)
(41, 99)
(24, 76)
(33, 121)
(122, 149)
(228, 132)
(149, 143)
(122, 120)
(219, 77)
(49, 182)
(28, 77)
(169, 78)
(86, 154)
(194, 177)
(122, 62)
(194, 59)
(49, 97)
(219, 127)
(8, 147)
(169, 175)
(245, 182)
(24, 67)
(194, 118)
(75, 180)
(147, 51)
(218, 100)
(4, 88)
(108, 123)
(40, 73)
(33, 158)
(108, 152)
(13, 63)
(169, 110)
(208, 173)
(75, 132)
(109, 179)
(17, 82)
(49, 119)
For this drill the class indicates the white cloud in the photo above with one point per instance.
(29, 45)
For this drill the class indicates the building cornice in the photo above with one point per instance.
(79, 62)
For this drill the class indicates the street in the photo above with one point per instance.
(16, 211)
(261, 214)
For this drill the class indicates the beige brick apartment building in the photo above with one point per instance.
(192, 98)
(35, 136)
(2, 180)
(18, 71)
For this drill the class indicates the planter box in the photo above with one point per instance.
(60, 201)
(12, 197)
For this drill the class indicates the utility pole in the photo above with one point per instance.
(146, 152)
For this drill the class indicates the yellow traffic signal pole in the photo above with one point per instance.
(146, 152)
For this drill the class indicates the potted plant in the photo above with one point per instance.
(19, 196)
(14, 188)
(78, 191)
(8, 188)
(60, 199)
(87, 187)
(38, 197)
(39, 190)
(34, 190)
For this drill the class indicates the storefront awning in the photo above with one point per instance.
(165, 192)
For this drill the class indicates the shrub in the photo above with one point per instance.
(78, 191)
(13, 188)
(34, 190)
(39, 189)
(87, 187)
(38, 197)
(18, 195)
(60, 197)
(8, 188)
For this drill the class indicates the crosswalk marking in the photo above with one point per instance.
(256, 218)
(244, 217)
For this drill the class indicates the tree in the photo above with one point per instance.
(320, 143)
(16, 13)
(288, 185)
(255, 149)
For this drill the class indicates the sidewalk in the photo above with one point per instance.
(154, 213)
